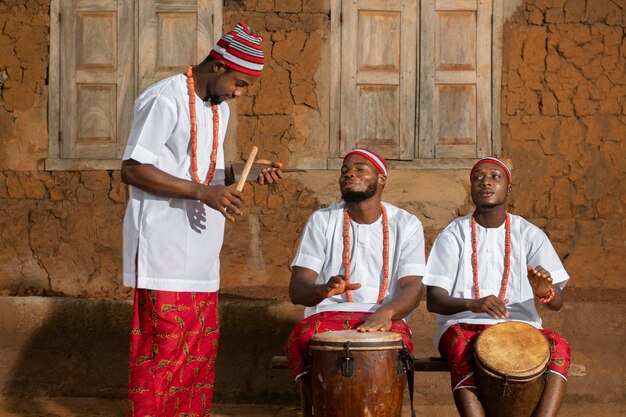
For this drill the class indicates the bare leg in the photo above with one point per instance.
(552, 397)
(467, 402)
(306, 395)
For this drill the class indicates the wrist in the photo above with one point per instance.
(546, 298)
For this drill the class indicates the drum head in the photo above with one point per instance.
(514, 349)
(336, 340)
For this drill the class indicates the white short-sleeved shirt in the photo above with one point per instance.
(175, 243)
(321, 250)
(449, 266)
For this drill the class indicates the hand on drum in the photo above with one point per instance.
(540, 280)
(271, 174)
(338, 285)
(491, 305)
(380, 321)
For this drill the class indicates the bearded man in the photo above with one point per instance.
(359, 264)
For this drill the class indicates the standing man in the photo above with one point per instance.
(174, 226)
(359, 264)
(488, 267)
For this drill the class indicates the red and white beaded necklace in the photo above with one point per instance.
(507, 256)
(194, 132)
(346, 254)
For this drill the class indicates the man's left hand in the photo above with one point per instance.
(540, 280)
(271, 174)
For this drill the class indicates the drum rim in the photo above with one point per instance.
(512, 377)
(380, 345)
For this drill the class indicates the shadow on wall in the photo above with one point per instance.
(61, 347)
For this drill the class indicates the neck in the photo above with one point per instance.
(365, 212)
(200, 79)
(490, 217)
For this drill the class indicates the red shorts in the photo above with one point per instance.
(297, 346)
(173, 346)
(456, 347)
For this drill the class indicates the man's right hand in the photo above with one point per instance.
(491, 305)
(225, 199)
(338, 285)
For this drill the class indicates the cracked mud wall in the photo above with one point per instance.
(562, 123)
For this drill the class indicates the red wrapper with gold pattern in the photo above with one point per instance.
(174, 338)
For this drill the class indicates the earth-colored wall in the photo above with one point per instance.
(562, 121)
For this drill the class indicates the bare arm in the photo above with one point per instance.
(439, 301)
(303, 289)
(407, 300)
(147, 177)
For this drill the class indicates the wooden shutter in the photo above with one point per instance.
(455, 83)
(174, 34)
(96, 94)
(378, 76)
(102, 53)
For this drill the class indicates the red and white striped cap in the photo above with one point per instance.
(373, 156)
(492, 160)
(240, 49)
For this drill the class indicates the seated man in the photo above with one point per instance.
(359, 264)
(488, 267)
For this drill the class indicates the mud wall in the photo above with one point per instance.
(562, 121)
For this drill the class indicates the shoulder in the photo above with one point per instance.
(324, 215)
(526, 228)
(400, 215)
(168, 89)
(458, 226)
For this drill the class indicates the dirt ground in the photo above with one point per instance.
(98, 407)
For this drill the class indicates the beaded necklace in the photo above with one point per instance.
(507, 256)
(346, 254)
(194, 132)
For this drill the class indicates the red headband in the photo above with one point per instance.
(496, 161)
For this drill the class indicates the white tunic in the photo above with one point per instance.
(175, 242)
(321, 250)
(449, 267)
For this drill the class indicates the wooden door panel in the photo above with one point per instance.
(96, 66)
(173, 35)
(455, 90)
(378, 81)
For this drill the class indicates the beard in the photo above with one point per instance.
(358, 196)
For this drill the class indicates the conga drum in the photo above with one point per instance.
(356, 374)
(511, 363)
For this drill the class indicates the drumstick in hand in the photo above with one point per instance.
(246, 169)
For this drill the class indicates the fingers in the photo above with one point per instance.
(274, 164)
(493, 306)
(270, 176)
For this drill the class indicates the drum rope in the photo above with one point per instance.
(409, 365)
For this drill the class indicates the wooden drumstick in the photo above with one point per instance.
(246, 169)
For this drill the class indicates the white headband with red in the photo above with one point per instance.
(492, 160)
(372, 156)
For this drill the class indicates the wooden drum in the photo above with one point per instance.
(357, 374)
(511, 363)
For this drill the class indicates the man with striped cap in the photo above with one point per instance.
(174, 225)
(488, 267)
(359, 264)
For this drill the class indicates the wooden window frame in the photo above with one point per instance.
(334, 160)
(54, 161)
